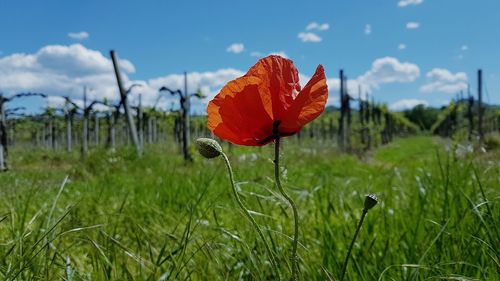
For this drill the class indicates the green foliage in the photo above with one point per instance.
(120, 217)
(423, 116)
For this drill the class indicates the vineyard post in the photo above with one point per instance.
(68, 129)
(140, 122)
(185, 121)
(96, 128)
(341, 120)
(45, 132)
(181, 126)
(469, 112)
(112, 131)
(123, 95)
(3, 136)
(361, 107)
(155, 129)
(361, 115)
(85, 123)
(112, 117)
(52, 128)
(150, 128)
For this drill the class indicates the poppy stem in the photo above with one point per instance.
(249, 216)
(344, 267)
(295, 259)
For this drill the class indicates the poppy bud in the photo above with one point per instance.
(370, 201)
(208, 148)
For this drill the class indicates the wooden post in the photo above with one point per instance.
(123, 95)
(69, 128)
(341, 120)
(96, 129)
(111, 143)
(470, 117)
(85, 124)
(185, 121)
(150, 129)
(53, 131)
(113, 130)
(177, 130)
(347, 108)
(154, 128)
(140, 123)
(3, 135)
(361, 107)
(361, 116)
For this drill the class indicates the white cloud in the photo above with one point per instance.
(464, 48)
(441, 80)
(405, 104)
(235, 48)
(385, 70)
(61, 70)
(209, 82)
(309, 37)
(388, 70)
(402, 46)
(78, 35)
(404, 3)
(412, 25)
(316, 26)
(64, 70)
(368, 29)
(58, 71)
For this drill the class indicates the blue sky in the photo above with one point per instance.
(401, 51)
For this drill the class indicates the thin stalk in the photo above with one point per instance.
(249, 216)
(344, 267)
(295, 265)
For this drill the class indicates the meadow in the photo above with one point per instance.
(114, 216)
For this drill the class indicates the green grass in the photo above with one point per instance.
(156, 218)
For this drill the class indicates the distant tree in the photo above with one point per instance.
(423, 116)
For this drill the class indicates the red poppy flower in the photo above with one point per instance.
(266, 103)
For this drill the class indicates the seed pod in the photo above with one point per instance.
(370, 201)
(208, 148)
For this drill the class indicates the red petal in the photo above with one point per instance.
(280, 81)
(308, 105)
(237, 113)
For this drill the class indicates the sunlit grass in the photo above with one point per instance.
(157, 218)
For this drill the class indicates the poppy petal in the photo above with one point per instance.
(280, 82)
(237, 114)
(308, 105)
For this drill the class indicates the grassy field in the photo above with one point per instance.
(116, 217)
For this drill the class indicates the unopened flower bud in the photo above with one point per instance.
(370, 201)
(208, 148)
